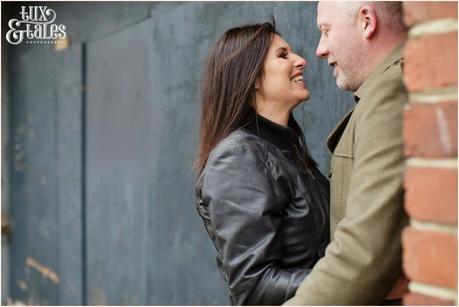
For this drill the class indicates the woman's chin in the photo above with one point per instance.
(304, 97)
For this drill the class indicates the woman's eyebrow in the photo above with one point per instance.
(282, 48)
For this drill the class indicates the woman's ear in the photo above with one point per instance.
(368, 20)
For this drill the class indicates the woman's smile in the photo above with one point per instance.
(298, 81)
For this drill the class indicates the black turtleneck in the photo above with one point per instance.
(285, 138)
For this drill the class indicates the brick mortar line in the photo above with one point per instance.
(450, 163)
(435, 291)
(432, 27)
(434, 96)
(434, 227)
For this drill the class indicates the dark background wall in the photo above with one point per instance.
(99, 143)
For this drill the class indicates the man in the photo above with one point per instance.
(363, 42)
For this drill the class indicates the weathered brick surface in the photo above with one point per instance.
(431, 194)
(416, 299)
(415, 12)
(431, 62)
(430, 130)
(430, 257)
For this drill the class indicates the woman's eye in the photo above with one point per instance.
(283, 55)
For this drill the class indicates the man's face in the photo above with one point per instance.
(340, 44)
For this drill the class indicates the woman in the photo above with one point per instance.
(262, 199)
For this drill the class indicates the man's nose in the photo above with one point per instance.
(321, 50)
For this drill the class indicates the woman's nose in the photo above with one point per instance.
(300, 62)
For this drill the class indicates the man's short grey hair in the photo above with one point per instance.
(389, 13)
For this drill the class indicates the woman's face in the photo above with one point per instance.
(282, 82)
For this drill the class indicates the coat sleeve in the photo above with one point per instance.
(245, 211)
(363, 261)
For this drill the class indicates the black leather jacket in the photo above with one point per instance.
(265, 211)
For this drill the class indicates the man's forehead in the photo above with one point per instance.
(321, 14)
(330, 5)
(327, 11)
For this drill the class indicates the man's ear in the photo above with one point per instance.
(368, 20)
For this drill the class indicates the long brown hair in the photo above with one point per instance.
(234, 64)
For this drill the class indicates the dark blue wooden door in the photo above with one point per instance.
(45, 177)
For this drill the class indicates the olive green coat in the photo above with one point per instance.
(363, 260)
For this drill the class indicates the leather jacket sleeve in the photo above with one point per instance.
(244, 210)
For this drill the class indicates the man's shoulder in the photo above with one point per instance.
(387, 82)
(391, 79)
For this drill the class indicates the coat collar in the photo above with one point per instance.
(281, 136)
(336, 133)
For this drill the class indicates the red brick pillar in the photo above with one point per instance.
(430, 132)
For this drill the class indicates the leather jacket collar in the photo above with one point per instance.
(285, 138)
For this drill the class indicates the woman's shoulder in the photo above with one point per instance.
(239, 142)
(238, 157)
